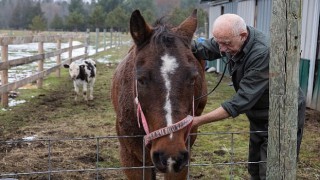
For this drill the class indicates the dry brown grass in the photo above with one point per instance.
(52, 114)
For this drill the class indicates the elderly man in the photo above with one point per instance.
(247, 51)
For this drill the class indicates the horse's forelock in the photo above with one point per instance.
(164, 36)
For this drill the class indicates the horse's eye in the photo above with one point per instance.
(142, 81)
(193, 78)
(193, 81)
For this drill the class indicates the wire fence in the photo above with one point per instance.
(98, 157)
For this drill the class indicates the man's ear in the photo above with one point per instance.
(243, 36)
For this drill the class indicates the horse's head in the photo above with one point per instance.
(168, 78)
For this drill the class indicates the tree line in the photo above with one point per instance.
(79, 15)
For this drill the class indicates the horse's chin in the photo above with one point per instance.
(170, 169)
(162, 169)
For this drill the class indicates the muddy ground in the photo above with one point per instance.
(53, 114)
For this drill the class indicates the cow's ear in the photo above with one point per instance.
(66, 66)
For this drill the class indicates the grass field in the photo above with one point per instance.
(52, 113)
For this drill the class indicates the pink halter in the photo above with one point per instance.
(187, 121)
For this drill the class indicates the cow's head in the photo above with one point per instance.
(74, 69)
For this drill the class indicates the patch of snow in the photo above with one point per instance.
(14, 102)
(104, 60)
(30, 138)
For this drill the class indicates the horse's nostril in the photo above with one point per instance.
(185, 155)
(160, 161)
(181, 161)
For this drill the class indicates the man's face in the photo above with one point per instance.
(228, 42)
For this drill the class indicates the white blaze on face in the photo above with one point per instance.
(169, 65)
(170, 163)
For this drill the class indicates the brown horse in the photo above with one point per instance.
(156, 85)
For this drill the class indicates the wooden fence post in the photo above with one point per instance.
(4, 75)
(87, 42)
(97, 39)
(70, 50)
(120, 40)
(284, 88)
(111, 37)
(40, 64)
(58, 58)
(104, 39)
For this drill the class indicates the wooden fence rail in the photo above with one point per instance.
(6, 64)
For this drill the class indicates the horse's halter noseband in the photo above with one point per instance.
(186, 122)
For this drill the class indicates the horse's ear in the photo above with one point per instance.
(188, 26)
(139, 29)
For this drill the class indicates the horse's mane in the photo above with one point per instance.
(164, 35)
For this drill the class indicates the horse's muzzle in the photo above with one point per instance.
(169, 164)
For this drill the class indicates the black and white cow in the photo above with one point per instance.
(83, 74)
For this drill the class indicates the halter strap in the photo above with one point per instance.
(141, 115)
(187, 121)
(140, 112)
(168, 130)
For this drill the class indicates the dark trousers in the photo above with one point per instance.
(258, 152)
(258, 143)
(259, 140)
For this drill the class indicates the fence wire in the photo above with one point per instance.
(101, 164)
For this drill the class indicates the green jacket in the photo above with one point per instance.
(249, 70)
(250, 74)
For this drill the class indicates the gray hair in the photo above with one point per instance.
(235, 22)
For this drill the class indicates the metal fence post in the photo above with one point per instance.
(97, 158)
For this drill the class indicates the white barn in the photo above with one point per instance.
(257, 13)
